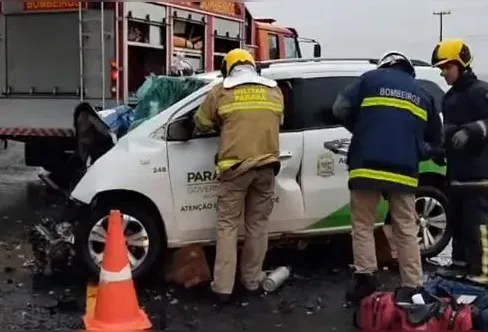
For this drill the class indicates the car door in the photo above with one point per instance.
(194, 184)
(288, 211)
(324, 173)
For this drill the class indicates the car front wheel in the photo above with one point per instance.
(142, 237)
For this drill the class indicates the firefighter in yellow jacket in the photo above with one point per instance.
(247, 110)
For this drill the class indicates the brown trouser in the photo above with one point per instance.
(404, 227)
(244, 198)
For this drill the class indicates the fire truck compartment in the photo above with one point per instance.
(42, 53)
(36, 113)
(146, 42)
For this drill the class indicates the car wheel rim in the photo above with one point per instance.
(136, 240)
(432, 221)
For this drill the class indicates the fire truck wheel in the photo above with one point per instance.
(144, 239)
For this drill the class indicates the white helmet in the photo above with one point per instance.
(394, 57)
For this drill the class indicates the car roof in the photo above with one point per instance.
(332, 64)
(212, 75)
(314, 67)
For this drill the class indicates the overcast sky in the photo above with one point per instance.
(357, 28)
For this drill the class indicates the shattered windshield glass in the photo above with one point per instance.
(160, 92)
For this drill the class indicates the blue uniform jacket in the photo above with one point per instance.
(465, 106)
(393, 121)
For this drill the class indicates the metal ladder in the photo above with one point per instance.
(83, 35)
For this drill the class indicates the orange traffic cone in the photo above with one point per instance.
(116, 305)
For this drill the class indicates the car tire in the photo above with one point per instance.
(445, 238)
(141, 215)
(446, 235)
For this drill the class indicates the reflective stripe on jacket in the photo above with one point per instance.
(249, 117)
(384, 176)
(387, 112)
(394, 102)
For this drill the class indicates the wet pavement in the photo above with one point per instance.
(312, 299)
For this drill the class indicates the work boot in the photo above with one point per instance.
(364, 284)
(221, 300)
(457, 269)
(244, 294)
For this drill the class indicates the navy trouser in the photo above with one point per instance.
(468, 217)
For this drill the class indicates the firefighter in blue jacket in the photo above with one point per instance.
(394, 126)
(465, 110)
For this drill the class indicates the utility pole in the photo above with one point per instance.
(441, 16)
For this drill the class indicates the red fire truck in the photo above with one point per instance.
(55, 54)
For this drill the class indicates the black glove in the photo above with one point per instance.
(437, 155)
(460, 138)
(449, 130)
(439, 159)
(477, 129)
(426, 152)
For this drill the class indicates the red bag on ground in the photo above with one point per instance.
(396, 312)
(376, 312)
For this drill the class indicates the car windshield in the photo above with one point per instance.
(158, 93)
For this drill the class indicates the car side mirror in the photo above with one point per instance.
(180, 130)
(317, 50)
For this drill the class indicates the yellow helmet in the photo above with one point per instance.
(237, 56)
(451, 50)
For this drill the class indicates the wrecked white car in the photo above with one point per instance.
(163, 181)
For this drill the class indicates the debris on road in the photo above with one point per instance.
(190, 267)
(276, 278)
(52, 244)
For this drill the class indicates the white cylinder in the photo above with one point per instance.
(418, 299)
(276, 278)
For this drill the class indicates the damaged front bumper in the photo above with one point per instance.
(53, 240)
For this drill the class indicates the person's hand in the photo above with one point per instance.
(439, 156)
(439, 160)
(460, 138)
(449, 129)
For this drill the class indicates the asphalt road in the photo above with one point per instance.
(312, 299)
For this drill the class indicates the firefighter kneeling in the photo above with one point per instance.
(391, 118)
(248, 109)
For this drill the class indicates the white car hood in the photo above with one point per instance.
(132, 154)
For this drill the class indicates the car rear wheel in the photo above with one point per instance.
(434, 231)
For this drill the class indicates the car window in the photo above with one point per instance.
(309, 101)
(434, 91)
